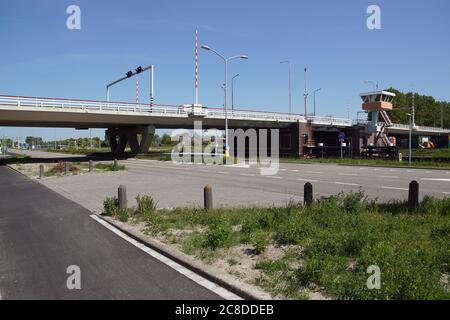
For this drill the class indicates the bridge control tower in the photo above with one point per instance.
(376, 104)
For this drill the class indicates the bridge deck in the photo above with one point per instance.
(55, 112)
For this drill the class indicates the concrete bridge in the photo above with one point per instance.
(125, 122)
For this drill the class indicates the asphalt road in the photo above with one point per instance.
(42, 233)
(180, 185)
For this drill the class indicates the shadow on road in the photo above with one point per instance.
(20, 159)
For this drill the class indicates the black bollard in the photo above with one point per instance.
(308, 194)
(413, 196)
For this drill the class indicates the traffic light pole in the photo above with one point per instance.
(130, 74)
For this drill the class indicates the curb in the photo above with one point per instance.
(246, 291)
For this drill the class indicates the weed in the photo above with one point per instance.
(218, 234)
(110, 206)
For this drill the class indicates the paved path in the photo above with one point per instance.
(42, 233)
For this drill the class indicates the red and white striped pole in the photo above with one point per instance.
(137, 89)
(196, 66)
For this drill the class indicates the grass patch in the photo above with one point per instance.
(335, 239)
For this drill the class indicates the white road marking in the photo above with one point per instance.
(388, 177)
(204, 170)
(348, 174)
(307, 180)
(435, 179)
(315, 172)
(247, 174)
(283, 170)
(222, 172)
(224, 293)
(299, 171)
(394, 188)
(273, 177)
(347, 184)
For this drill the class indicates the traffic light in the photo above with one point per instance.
(139, 69)
(129, 74)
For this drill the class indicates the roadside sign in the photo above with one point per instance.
(341, 136)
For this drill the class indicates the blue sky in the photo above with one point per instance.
(41, 57)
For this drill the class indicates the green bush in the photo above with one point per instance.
(294, 231)
(260, 241)
(354, 202)
(146, 207)
(110, 206)
(445, 207)
(124, 214)
(218, 234)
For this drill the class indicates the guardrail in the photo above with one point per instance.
(419, 128)
(57, 103)
(331, 121)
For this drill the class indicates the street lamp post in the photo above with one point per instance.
(225, 60)
(315, 91)
(442, 112)
(290, 85)
(410, 138)
(232, 91)
(305, 94)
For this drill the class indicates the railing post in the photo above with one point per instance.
(91, 166)
(208, 198)
(122, 196)
(413, 195)
(41, 171)
(66, 168)
(308, 194)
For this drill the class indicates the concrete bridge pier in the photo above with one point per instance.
(119, 138)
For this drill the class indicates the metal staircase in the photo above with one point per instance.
(382, 134)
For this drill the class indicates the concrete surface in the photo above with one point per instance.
(42, 233)
(174, 185)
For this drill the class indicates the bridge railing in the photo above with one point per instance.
(418, 128)
(250, 115)
(87, 105)
(330, 121)
(57, 103)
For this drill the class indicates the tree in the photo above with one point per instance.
(166, 140)
(427, 109)
(33, 141)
